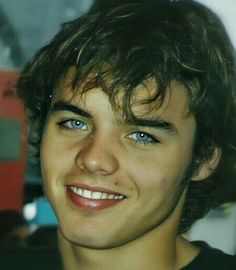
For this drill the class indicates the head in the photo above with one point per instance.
(165, 42)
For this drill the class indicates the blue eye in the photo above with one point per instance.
(73, 124)
(142, 138)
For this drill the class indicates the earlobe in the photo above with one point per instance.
(208, 167)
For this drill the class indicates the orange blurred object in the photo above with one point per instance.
(11, 170)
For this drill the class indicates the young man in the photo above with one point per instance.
(134, 112)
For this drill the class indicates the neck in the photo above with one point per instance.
(160, 248)
(140, 255)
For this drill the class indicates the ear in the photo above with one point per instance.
(208, 167)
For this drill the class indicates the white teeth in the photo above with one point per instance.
(87, 194)
(111, 197)
(80, 191)
(104, 196)
(96, 195)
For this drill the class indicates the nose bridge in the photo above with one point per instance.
(97, 155)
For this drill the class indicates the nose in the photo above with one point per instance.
(96, 156)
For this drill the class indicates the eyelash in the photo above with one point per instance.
(145, 138)
(68, 124)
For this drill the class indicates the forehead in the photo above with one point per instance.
(175, 100)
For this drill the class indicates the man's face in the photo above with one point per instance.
(112, 181)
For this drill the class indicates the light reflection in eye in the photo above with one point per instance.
(142, 137)
(74, 124)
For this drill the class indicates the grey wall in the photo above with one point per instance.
(35, 22)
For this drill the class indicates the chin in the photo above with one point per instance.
(89, 241)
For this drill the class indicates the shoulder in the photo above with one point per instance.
(25, 258)
(211, 258)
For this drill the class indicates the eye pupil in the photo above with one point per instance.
(76, 123)
(142, 136)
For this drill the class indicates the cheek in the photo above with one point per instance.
(47, 165)
(53, 166)
(148, 176)
(53, 147)
(53, 157)
(158, 173)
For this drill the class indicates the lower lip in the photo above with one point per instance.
(90, 205)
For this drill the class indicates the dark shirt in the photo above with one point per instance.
(211, 259)
(49, 259)
(30, 259)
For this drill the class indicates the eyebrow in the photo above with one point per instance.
(157, 124)
(65, 106)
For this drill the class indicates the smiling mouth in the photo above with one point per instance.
(93, 200)
(95, 195)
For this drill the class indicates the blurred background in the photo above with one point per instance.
(25, 215)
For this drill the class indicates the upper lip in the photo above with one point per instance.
(94, 188)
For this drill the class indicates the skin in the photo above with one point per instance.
(145, 164)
